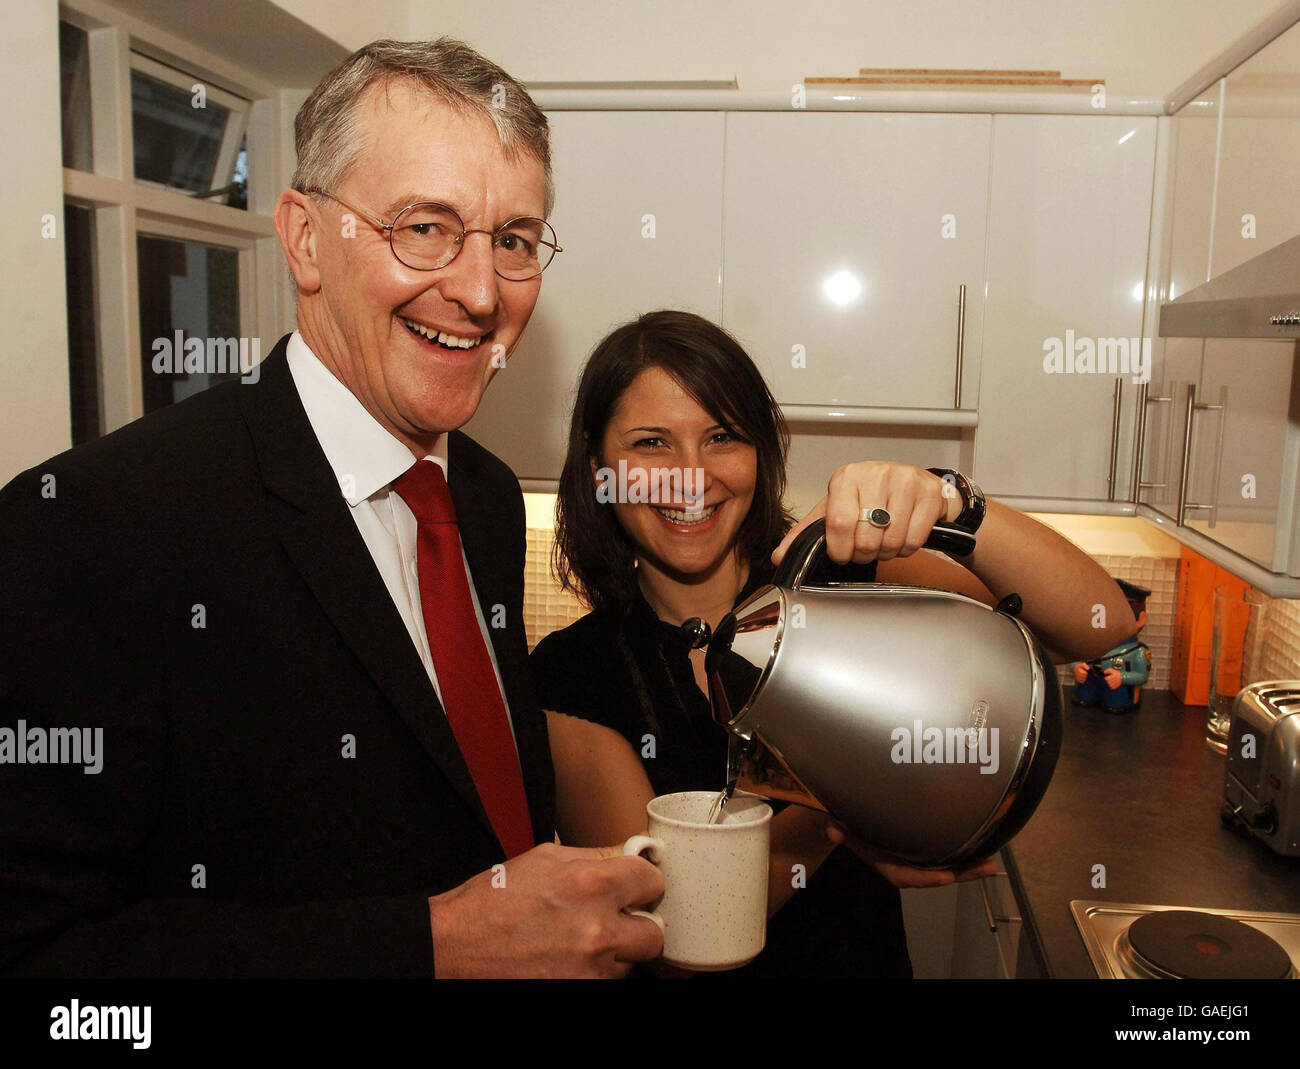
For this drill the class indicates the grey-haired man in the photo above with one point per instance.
(243, 592)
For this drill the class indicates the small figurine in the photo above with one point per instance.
(1114, 680)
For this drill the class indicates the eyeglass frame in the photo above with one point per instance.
(391, 228)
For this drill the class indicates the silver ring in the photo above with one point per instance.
(876, 517)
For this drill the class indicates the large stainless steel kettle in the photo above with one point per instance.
(926, 722)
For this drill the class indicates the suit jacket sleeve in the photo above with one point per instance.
(77, 635)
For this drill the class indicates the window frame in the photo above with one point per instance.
(237, 106)
(125, 207)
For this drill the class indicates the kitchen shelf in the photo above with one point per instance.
(990, 102)
(1068, 506)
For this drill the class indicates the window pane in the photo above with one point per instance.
(83, 367)
(74, 86)
(189, 319)
(176, 143)
(238, 195)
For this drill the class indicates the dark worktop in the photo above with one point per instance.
(1140, 794)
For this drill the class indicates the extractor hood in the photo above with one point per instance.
(1259, 299)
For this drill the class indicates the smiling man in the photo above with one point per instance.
(294, 607)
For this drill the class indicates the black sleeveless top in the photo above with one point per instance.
(632, 673)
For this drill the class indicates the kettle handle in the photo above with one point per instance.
(811, 541)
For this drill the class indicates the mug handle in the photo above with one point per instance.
(652, 850)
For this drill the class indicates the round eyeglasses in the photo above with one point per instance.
(428, 235)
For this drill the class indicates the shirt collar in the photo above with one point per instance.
(365, 457)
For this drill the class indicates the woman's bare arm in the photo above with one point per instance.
(1069, 601)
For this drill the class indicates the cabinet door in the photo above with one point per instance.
(1068, 222)
(846, 239)
(638, 210)
(1237, 451)
(1195, 130)
(975, 954)
(1259, 158)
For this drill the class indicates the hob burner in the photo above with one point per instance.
(1189, 944)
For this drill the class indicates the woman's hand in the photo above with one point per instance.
(899, 872)
(915, 499)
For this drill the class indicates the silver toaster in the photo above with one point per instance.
(1261, 787)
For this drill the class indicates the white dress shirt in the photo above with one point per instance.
(366, 460)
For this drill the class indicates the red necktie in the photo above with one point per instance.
(470, 695)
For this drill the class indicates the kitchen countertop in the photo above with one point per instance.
(1138, 793)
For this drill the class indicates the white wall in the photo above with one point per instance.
(353, 24)
(35, 419)
(1140, 47)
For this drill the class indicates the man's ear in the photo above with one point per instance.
(297, 231)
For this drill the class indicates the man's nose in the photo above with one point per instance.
(471, 279)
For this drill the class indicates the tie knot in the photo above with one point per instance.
(424, 488)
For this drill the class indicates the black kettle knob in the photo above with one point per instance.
(1010, 605)
(697, 632)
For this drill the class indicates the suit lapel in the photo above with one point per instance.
(322, 540)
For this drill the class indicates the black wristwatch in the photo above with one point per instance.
(972, 499)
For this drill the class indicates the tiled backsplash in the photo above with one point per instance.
(1160, 576)
(1281, 658)
(547, 608)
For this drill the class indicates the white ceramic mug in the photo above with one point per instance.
(714, 908)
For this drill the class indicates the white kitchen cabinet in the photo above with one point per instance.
(847, 239)
(1068, 223)
(1242, 454)
(1259, 157)
(970, 930)
(1238, 452)
(1195, 134)
(639, 213)
(1222, 438)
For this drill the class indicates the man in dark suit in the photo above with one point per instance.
(321, 754)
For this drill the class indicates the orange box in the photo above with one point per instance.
(1189, 674)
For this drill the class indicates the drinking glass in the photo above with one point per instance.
(1235, 656)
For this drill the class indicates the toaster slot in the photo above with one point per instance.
(1279, 695)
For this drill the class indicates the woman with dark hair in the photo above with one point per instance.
(672, 393)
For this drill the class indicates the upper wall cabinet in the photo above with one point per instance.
(1239, 488)
(1195, 133)
(638, 211)
(1068, 230)
(1259, 157)
(851, 241)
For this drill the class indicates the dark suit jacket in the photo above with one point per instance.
(197, 588)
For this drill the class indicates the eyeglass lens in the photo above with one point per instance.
(428, 236)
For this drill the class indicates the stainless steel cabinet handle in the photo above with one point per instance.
(1222, 408)
(1114, 439)
(1188, 431)
(1187, 450)
(961, 341)
(988, 908)
(1145, 400)
(989, 916)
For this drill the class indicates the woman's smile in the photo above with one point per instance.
(688, 521)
